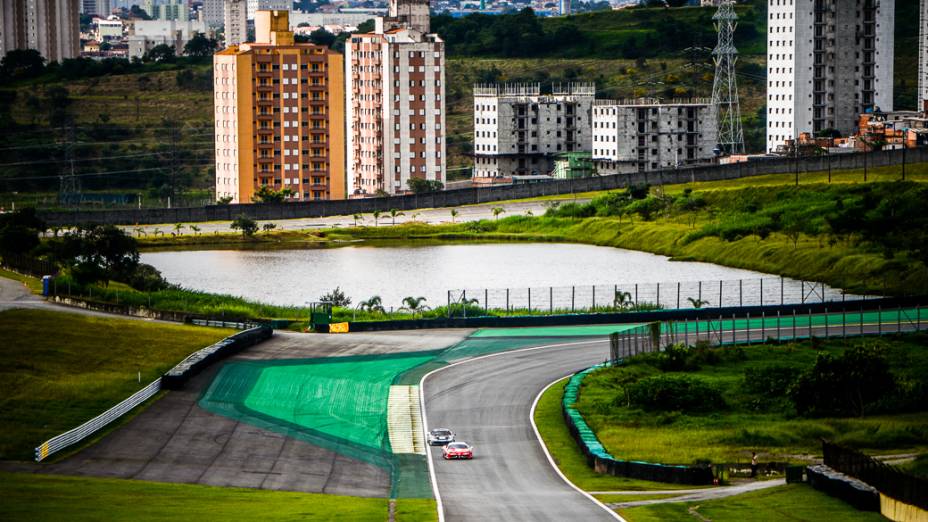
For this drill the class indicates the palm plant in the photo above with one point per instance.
(357, 217)
(697, 303)
(374, 304)
(139, 232)
(178, 227)
(497, 211)
(376, 217)
(622, 300)
(196, 230)
(454, 214)
(393, 213)
(414, 304)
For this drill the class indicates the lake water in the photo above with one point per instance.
(556, 275)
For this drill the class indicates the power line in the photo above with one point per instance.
(90, 174)
(98, 158)
(83, 143)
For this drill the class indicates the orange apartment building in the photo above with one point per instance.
(279, 116)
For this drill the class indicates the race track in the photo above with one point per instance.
(487, 403)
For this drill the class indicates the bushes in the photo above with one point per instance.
(675, 393)
(770, 381)
(844, 385)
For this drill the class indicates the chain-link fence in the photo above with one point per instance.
(642, 296)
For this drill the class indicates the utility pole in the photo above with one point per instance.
(68, 184)
(174, 137)
(725, 85)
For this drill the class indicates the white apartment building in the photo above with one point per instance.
(922, 97)
(395, 108)
(268, 5)
(109, 29)
(235, 22)
(646, 134)
(518, 131)
(827, 62)
(48, 26)
(147, 34)
(211, 13)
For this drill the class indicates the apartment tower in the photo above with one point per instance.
(646, 134)
(235, 21)
(279, 116)
(827, 62)
(48, 26)
(922, 96)
(519, 132)
(395, 103)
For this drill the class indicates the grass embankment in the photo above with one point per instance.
(797, 502)
(58, 370)
(39, 497)
(753, 412)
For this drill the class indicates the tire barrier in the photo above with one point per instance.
(602, 462)
(844, 487)
(177, 376)
(71, 437)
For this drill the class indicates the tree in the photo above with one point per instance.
(147, 278)
(844, 385)
(622, 300)
(337, 297)
(137, 12)
(177, 228)
(266, 194)
(376, 215)
(322, 37)
(224, 200)
(421, 186)
(454, 214)
(394, 213)
(161, 53)
(19, 231)
(497, 211)
(414, 304)
(196, 230)
(247, 225)
(200, 46)
(98, 253)
(357, 217)
(22, 63)
(268, 227)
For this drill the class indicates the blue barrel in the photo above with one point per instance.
(46, 285)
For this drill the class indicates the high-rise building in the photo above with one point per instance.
(235, 21)
(412, 14)
(563, 7)
(268, 5)
(51, 27)
(827, 62)
(211, 12)
(922, 97)
(646, 134)
(395, 104)
(279, 116)
(96, 7)
(520, 132)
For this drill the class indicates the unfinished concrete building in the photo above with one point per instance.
(646, 134)
(520, 132)
(827, 62)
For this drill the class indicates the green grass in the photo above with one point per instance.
(550, 422)
(59, 369)
(797, 502)
(34, 284)
(749, 422)
(42, 497)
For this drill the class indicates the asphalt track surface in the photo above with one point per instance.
(174, 440)
(487, 402)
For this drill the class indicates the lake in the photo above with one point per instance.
(555, 275)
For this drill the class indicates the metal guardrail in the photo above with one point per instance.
(71, 437)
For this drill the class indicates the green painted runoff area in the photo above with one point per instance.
(337, 402)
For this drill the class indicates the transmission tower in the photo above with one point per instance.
(725, 86)
(69, 186)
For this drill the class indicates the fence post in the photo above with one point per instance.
(551, 299)
(781, 291)
(449, 303)
(636, 295)
(720, 298)
(486, 301)
(529, 299)
(699, 292)
(678, 295)
(573, 297)
(802, 291)
(594, 299)
(658, 295)
(763, 325)
(762, 291)
(740, 293)
(507, 301)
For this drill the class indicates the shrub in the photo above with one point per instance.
(675, 393)
(770, 381)
(146, 278)
(845, 385)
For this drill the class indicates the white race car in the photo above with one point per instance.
(440, 436)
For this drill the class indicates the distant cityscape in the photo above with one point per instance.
(300, 118)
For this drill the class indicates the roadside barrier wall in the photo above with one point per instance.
(172, 380)
(469, 196)
(176, 377)
(602, 462)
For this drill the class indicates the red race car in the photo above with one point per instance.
(458, 450)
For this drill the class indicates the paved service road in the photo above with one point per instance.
(487, 403)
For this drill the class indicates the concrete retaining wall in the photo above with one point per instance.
(900, 511)
(455, 198)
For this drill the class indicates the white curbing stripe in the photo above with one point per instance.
(404, 422)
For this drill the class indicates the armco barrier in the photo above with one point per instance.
(844, 487)
(176, 377)
(602, 462)
(90, 427)
(172, 380)
(469, 196)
